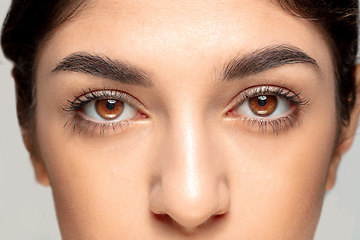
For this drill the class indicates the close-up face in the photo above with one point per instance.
(186, 120)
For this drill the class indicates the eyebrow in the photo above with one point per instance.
(102, 66)
(265, 59)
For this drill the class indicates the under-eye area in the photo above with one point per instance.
(268, 107)
(99, 111)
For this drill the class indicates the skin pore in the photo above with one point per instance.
(190, 161)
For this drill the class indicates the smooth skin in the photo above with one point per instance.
(188, 170)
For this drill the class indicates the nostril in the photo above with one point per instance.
(164, 218)
(190, 215)
(167, 220)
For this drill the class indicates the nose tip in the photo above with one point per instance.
(189, 184)
(190, 208)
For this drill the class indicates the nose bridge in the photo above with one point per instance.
(192, 186)
(188, 154)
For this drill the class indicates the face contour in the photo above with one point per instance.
(186, 120)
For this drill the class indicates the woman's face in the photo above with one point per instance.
(186, 119)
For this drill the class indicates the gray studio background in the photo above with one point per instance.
(27, 210)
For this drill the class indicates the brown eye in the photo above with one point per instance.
(109, 109)
(263, 105)
(116, 108)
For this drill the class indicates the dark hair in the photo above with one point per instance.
(29, 22)
(338, 20)
(26, 26)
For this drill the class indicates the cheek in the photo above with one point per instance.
(98, 183)
(96, 189)
(283, 175)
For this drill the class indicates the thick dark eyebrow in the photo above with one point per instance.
(265, 59)
(102, 66)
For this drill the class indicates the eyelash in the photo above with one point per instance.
(277, 124)
(79, 102)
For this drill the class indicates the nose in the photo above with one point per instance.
(191, 187)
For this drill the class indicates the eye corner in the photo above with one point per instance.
(104, 109)
(268, 106)
(231, 113)
(141, 115)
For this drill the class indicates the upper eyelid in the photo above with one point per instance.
(92, 95)
(114, 94)
(259, 90)
(241, 97)
(267, 89)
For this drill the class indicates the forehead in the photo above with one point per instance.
(145, 32)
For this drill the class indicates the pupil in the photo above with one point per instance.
(262, 101)
(110, 105)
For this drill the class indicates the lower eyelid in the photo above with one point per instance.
(276, 123)
(289, 118)
(84, 123)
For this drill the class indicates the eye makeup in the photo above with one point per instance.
(268, 106)
(98, 111)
